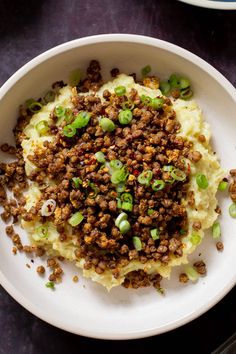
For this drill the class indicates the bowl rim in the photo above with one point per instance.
(210, 4)
(106, 38)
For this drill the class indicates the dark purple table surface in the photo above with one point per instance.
(29, 27)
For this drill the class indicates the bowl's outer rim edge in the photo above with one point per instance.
(217, 5)
(28, 305)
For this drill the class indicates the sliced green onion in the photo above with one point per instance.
(49, 97)
(182, 232)
(137, 243)
(186, 94)
(146, 100)
(232, 210)
(195, 239)
(127, 197)
(178, 175)
(120, 187)
(69, 131)
(158, 185)
(150, 211)
(121, 217)
(77, 181)
(223, 186)
(167, 168)
(68, 115)
(191, 273)
(116, 164)
(174, 81)
(120, 90)
(127, 202)
(107, 125)
(100, 157)
(75, 219)
(50, 285)
(75, 77)
(157, 103)
(126, 206)
(42, 231)
(125, 116)
(35, 107)
(42, 127)
(127, 105)
(183, 83)
(81, 120)
(118, 203)
(155, 234)
(145, 177)
(124, 226)
(60, 111)
(216, 230)
(146, 70)
(95, 190)
(202, 181)
(28, 102)
(165, 88)
(119, 176)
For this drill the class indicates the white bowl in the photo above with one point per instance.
(213, 4)
(86, 308)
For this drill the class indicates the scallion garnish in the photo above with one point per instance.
(81, 120)
(216, 230)
(178, 175)
(126, 201)
(157, 103)
(42, 127)
(100, 157)
(150, 211)
(158, 185)
(60, 111)
(42, 231)
(165, 88)
(77, 181)
(145, 177)
(119, 176)
(35, 106)
(107, 124)
(137, 243)
(167, 168)
(191, 273)
(155, 234)
(75, 219)
(125, 116)
(121, 217)
(186, 94)
(146, 70)
(202, 181)
(223, 186)
(120, 90)
(95, 190)
(116, 164)
(69, 131)
(120, 187)
(50, 285)
(124, 226)
(195, 239)
(232, 210)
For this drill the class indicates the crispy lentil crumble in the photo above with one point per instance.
(149, 142)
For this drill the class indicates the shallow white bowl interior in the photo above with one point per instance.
(86, 308)
(213, 4)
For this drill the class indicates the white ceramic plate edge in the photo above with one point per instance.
(220, 5)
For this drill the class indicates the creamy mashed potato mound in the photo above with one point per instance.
(192, 125)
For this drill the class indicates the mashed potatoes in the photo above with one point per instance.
(192, 125)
